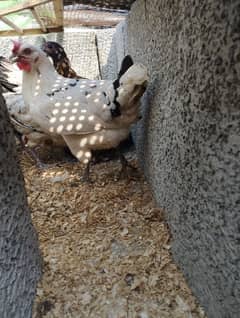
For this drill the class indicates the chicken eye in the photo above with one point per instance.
(27, 51)
(50, 46)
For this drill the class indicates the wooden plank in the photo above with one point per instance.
(31, 31)
(91, 18)
(12, 25)
(39, 21)
(23, 6)
(110, 4)
(58, 8)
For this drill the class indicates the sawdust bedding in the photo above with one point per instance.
(106, 246)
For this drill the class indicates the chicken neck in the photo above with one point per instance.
(39, 80)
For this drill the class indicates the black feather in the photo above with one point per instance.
(127, 62)
(116, 84)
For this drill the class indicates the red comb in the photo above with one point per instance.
(16, 46)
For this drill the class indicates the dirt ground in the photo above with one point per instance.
(105, 245)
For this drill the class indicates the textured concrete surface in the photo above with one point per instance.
(20, 260)
(189, 140)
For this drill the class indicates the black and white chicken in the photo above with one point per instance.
(88, 115)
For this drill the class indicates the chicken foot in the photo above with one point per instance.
(30, 152)
(86, 174)
(41, 165)
(123, 172)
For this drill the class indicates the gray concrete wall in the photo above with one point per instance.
(189, 140)
(20, 259)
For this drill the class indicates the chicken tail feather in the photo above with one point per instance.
(129, 88)
(127, 62)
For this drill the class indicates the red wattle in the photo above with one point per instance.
(24, 66)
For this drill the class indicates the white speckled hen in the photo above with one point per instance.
(88, 115)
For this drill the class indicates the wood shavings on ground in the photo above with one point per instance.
(106, 247)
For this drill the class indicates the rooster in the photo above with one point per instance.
(88, 115)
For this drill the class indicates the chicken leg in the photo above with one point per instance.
(86, 174)
(125, 164)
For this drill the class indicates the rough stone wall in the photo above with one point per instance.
(20, 260)
(189, 140)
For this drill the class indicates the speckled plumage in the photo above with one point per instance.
(83, 112)
(60, 60)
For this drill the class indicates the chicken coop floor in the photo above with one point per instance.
(106, 247)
